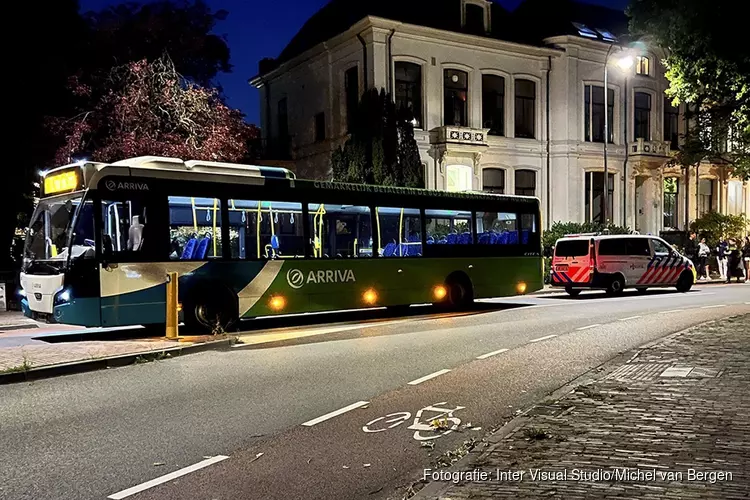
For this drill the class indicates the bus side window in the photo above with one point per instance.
(261, 229)
(194, 228)
(339, 231)
(448, 227)
(398, 232)
(497, 228)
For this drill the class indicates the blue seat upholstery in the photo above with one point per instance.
(525, 237)
(464, 238)
(202, 249)
(452, 239)
(189, 250)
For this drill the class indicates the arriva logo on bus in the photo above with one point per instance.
(133, 186)
(297, 278)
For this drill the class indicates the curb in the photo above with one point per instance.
(107, 362)
(9, 328)
(437, 489)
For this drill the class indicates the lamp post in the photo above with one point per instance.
(624, 63)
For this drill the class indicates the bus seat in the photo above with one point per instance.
(525, 237)
(275, 242)
(485, 238)
(494, 238)
(452, 239)
(513, 238)
(202, 248)
(189, 250)
(389, 250)
(443, 241)
(430, 240)
(502, 238)
(464, 239)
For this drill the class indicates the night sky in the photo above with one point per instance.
(256, 29)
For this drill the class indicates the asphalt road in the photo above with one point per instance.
(94, 435)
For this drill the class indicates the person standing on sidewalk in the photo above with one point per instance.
(734, 264)
(721, 258)
(703, 253)
(691, 248)
(746, 257)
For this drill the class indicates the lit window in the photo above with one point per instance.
(584, 30)
(455, 93)
(458, 178)
(642, 65)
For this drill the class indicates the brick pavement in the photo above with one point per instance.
(634, 420)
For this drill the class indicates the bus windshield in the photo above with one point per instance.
(49, 235)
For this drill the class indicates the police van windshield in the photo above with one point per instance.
(51, 231)
(572, 248)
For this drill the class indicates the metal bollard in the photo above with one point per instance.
(172, 306)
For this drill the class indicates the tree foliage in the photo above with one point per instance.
(150, 109)
(708, 69)
(715, 226)
(381, 149)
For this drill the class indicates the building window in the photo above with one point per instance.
(525, 108)
(320, 127)
(458, 178)
(734, 197)
(642, 65)
(671, 119)
(493, 180)
(456, 95)
(474, 19)
(706, 196)
(594, 113)
(351, 89)
(283, 118)
(595, 196)
(408, 82)
(493, 104)
(671, 192)
(642, 116)
(525, 182)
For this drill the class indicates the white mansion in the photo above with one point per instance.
(503, 102)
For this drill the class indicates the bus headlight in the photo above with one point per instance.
(63, 297)
(21, 292)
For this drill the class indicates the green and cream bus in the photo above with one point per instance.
(249, 241)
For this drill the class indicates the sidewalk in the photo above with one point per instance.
(672, 422)
(14, 320)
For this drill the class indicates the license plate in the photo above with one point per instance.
(561, 267)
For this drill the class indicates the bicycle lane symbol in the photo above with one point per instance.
(423, 428)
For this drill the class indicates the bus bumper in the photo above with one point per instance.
(79, 311)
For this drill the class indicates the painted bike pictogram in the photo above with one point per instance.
(431, 422)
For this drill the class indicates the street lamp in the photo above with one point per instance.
(624, 62)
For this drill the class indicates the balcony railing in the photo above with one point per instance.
(271, 149)
(649, 148)
(459, 135)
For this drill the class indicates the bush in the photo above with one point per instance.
(715, 227)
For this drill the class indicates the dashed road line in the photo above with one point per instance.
(628, 319)
(589, 327)
(340, 411)
(714, 307)
(671, 311)
(167, 477)
(540, 339)
(428, 377)
(493, 353)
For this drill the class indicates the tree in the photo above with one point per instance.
(715, 226)
(708, 69)
(131, 32)
(151, 109)
(381, 149)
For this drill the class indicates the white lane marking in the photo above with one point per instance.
(714, 307)
(747, 303)
(671, 311)
(167, 477)
(588, 327)
(628, 319)
(428, 377)
(542, 338)
(493, 353)
(336, 413)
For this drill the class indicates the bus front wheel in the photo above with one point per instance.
(460, 291)
(211, 313)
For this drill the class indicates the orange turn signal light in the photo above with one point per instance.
(277, 303)
(370, 296)
(439, 292)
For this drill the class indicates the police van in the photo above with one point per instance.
(616, 262)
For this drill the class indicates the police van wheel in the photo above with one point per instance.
(616, 286)
(573, 292)
(685, 283)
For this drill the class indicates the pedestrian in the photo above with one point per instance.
(703, 254)
(734, 262)
(746, 257)
(721, 258)
(691, 248)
